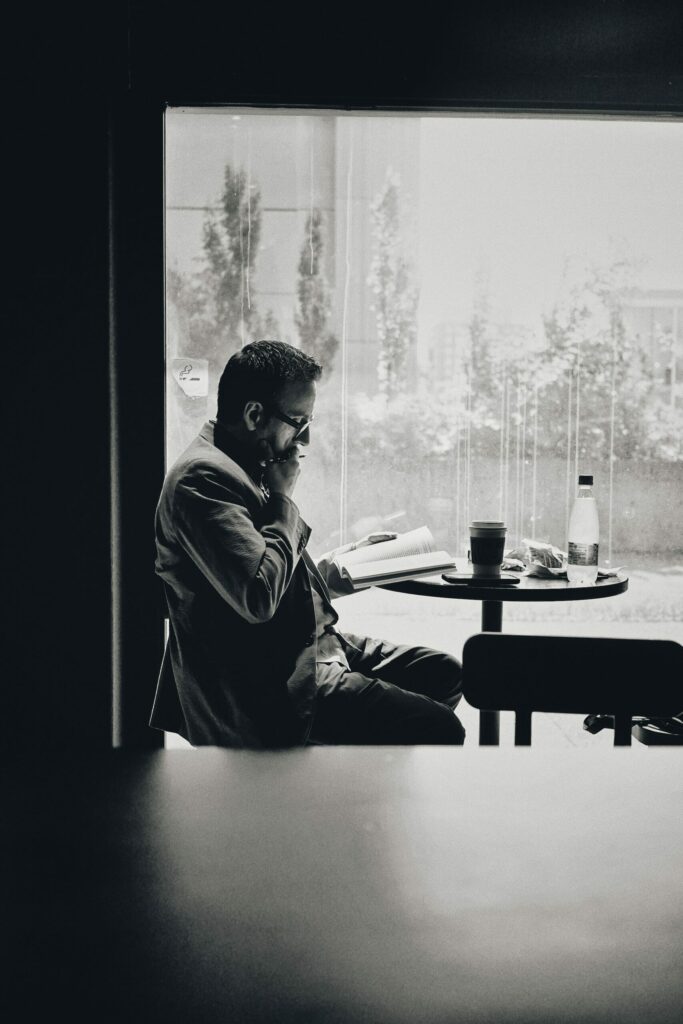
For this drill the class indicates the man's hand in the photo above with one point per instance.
(281, 476)
(373, 538)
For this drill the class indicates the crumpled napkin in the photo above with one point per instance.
(538, 558)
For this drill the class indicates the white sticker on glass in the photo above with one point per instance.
(192, 375)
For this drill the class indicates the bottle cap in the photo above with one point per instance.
(586, 480)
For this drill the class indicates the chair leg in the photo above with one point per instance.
(622, 730)
(489, 728)
(523, 729)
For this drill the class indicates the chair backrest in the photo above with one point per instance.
(575, 675)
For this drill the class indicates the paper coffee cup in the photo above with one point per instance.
(487, 546)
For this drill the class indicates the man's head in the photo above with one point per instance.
(266, 395)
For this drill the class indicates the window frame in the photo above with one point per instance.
(136, 301)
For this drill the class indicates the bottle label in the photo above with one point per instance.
(582, 554)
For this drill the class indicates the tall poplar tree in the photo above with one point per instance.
(215, 308)
(314, 302)
(230, 243)
(395, 293)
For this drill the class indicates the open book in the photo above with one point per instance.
(407, 556)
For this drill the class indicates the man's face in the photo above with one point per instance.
(295, 402)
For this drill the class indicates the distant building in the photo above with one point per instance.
(655, 318)
(446, 352)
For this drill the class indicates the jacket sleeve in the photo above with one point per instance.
(249, 565)
(338, 585)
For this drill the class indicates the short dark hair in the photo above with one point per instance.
(258, 372)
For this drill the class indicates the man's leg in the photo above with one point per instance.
(422, 670)
(356, 707)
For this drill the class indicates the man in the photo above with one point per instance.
(253, 657)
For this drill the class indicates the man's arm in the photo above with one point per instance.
(250, 566)
(339, 585)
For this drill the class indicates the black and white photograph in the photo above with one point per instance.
(344, 356)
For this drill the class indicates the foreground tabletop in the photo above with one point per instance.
(348, 884)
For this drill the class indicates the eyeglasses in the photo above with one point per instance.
(299, 425)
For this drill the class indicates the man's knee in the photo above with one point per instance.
(437, 674)
(453, 668)
(445, 728)
(459, 732)
(448, 670)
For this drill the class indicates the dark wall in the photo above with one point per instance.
(84, 92)
(602, 54)
(55, 341)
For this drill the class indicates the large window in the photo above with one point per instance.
(498, 302)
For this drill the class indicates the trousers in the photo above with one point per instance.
(389, 694)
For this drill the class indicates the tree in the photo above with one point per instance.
(231, 238)
(395, 294)
(314, 302)
(483, 368)
(594, 372)
(213, 310)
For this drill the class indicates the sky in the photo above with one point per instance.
(513, 197)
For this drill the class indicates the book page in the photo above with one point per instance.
(414, 542)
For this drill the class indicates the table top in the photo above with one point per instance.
(346, 884)
(529, 588)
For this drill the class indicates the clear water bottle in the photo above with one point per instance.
(583, 536)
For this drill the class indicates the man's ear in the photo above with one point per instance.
(254, 415)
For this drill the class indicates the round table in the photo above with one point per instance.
(529, 588)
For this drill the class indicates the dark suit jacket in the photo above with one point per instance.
(240, 663)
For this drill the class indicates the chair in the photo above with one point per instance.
(573, 675)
